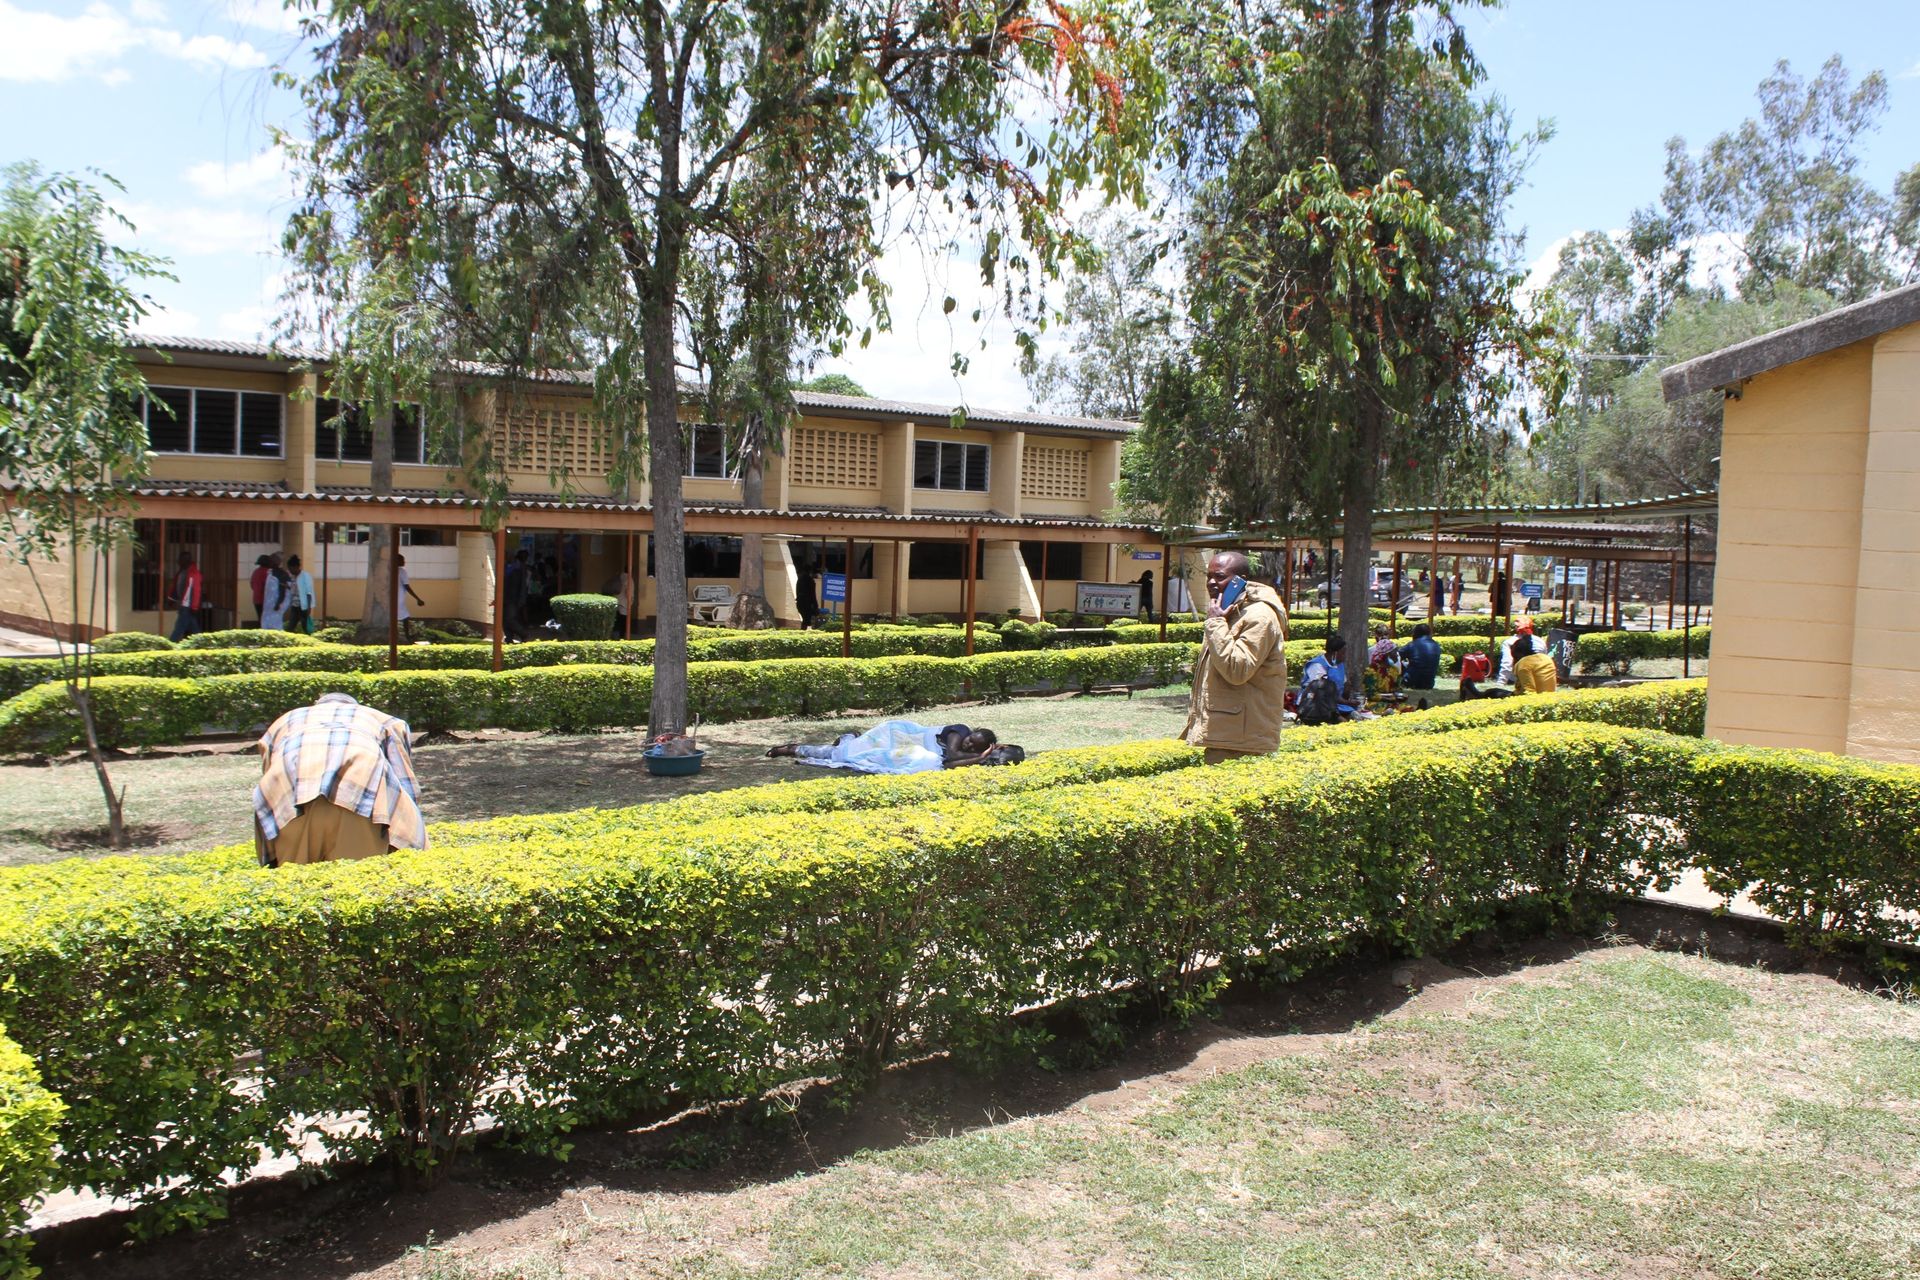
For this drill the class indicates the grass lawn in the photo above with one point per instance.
(1624, 1112)
(184, 802)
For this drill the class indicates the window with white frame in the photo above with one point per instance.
(708, 454)
(949, 464)
(215, 422)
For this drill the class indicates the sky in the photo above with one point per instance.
(175, 100)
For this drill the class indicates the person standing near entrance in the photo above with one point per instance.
(300, 613)
(806, 598)
(1240, 676)
(189, 593)
(276, 597)
(262, 570)
(406, 589)
(1146, 592)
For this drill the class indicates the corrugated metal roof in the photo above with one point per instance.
(351, 498)
(225, 347)
(819, 402)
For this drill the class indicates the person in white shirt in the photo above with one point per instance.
(406, 589)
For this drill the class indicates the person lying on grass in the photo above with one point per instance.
(901, 746)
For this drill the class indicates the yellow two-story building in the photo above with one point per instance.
(250, 456)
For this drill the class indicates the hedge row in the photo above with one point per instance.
(29, 1121)
(134, 711)
(1618, 650)
(1315, 628)
(590, 975)
(308, 655)
(1670, 706)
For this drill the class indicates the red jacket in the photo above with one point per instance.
(259, 581)
(187, 587)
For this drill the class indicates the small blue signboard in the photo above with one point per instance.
(1531, 590)
(833, 586)
(1146, 555)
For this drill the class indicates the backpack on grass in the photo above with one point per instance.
(1319, 702)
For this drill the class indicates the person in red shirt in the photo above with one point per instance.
(188, 595)
(262, 570)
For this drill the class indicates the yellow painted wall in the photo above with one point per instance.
(1793, 458)
(1883, 718)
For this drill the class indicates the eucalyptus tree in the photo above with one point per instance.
(72, 440)
(1350, 278)
(565, 166)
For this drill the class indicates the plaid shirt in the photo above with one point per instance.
(355, 756)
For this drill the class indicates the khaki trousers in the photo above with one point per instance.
(1216, 754)
(324, 832)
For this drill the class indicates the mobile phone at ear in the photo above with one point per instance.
(1232, 592)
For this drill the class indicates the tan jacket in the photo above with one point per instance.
(1240, 677)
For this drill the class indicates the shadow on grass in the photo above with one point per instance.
(355, 1222)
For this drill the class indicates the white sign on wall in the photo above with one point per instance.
(1107, 599)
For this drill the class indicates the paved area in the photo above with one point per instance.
(24, 644)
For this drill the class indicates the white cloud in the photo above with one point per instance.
(262, 175)
(43, 47)
(46, 47)
(1911, 73)
(171, 322)
(205, 51)
(270, 14)
(195, 230)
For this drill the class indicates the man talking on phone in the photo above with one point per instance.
(1240, 677)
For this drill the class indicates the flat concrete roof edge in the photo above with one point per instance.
(1838, 328)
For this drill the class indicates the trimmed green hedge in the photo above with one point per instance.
(1618, 650)
(585, 975)
(586, 617)
(709, 646)
(144, 711)
(130, 642)
(1315, 628)
(246, 638)
(29, 1120)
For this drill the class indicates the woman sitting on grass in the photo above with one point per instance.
(901, 746)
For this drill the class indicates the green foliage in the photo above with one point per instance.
(29, 1120)
(568, 974)
(1122, 326)
(586, 617)
(834, 384)
(1016, 633)
(1617, 651)
(247, 638)
(709, 646)
(131, 642)
(152, 711)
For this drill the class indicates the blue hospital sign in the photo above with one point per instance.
(833, 586)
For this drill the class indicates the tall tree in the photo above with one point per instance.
(72, 441)
(1784, 195)
(1123, 325)
(1350, 277)
(576, 156)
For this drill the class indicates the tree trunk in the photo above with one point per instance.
(116, 818)
(751, 612)
(1356, 540)
(664, 465)
(375, 608)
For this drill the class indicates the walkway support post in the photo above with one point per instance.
(164, 574)
(633, 579)
(326, 573)
(899, 549)
(1493, 582)
(1393, 601)
(1286, 573)
(1166, 586)
(1686, 636)
(973, 550)
(393, 599)
(1673, 586)
(1043, 580)
(846, 608)
(1433, 577)
(500, 599)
